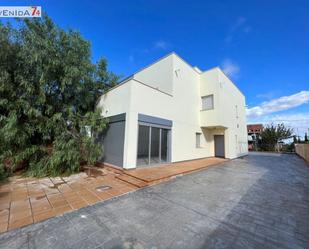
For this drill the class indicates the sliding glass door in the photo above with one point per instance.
(143, 145)
(153, 145)
(164, 145)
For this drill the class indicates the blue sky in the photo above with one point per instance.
(262, 45)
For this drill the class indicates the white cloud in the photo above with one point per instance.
(141, 52)
(268, 95)
(298, 121)
(239, 26)
(279, 104)
(230, 68)
(160, 45)
(266, 112)
(240, 21)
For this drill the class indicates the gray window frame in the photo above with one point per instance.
(198, 136)
(168, 159)
(213, 102)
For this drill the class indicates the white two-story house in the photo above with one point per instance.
(170, 112)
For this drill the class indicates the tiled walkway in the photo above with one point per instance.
(24, 200)
(260, 201)
(155, 174)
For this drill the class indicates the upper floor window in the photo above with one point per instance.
(208, 102)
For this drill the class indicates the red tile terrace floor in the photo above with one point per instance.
(27, 200)
(24, 201)
(160, 173)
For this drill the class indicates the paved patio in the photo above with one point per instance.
(261, 201)
(160, 173)
(24, 201)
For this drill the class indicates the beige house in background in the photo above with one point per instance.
(170, 112)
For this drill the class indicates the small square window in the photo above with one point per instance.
(198, 139)
(208, 102)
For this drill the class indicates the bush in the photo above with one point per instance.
(48, 93)
(3, 173)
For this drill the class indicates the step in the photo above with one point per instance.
(132, 180)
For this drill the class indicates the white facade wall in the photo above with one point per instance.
(229, 111)
(158, 75)
(172, 89)
(231, 98)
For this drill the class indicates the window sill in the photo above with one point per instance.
(207, 109)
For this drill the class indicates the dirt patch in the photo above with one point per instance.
(93, 172)
(56, 185)
(40, 197)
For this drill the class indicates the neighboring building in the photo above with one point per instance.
(254, 134)
(170, 112)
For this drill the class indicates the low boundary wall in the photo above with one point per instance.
(302, 150)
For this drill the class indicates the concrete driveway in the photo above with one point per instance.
(261, 201)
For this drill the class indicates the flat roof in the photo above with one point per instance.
(126, 79)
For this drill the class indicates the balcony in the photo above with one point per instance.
(212, 119)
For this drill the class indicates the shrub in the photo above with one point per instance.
(3, 173)
(48, 93)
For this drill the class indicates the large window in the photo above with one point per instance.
(153, 145)
(208, 102)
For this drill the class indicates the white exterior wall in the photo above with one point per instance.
(226, 97)
(230, 97)
(172, 89)
(144, 100)
(158, 75)
(186, 114)
(117, 101)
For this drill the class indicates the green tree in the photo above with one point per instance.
(294, 139)
(48, 93)
(272, 134)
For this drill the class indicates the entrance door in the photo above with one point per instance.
(219, 146)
